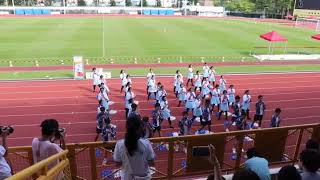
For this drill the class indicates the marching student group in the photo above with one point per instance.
(202, 96)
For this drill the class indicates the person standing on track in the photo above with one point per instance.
(224, 106)
(149, 75)
(206, 114)
(95, 78)
(157, 119)
(215, 98)
(182, 95)
(222, 83)
(165, 111)
(198, 82)
(104, 98)
(205, 70)
(246, 100)
(174, 79)
(190, 104)
(231, 94)
(197, 111)
(129, 96)
(160, 93)
(123, 79)
(190, 75)
(212, 78)
(260, 109)
(152, 87)
(236, 112)
(177, 85)
(205, 90)
(276, 119)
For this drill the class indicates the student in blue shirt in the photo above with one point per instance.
(276, 119)
(257, 164)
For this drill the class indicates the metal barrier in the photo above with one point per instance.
(41, 171)
(174, 156)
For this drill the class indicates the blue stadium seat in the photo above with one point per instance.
(19, 11)
(170, 12)
(154, 12)
(46, 11)
(37, 11)
(162, 12)
(28, 12)
(146, 11)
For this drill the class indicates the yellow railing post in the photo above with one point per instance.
(170, 158)
(72, 159)
(297, 148)
(93, 162)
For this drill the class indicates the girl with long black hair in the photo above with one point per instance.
(134, 153)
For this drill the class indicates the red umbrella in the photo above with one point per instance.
(316, 37)
(273, 36)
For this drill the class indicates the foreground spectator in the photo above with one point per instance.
(312, 144)
(44, 146)
(245, 174)
(257, 164)
(310, 160)
(134, 153)
(288, 172)
(5, 169)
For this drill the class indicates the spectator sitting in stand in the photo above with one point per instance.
(312, 144)
(310, 163)
(257, 164)
(288, 173)
(5, 169)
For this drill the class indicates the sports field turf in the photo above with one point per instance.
(161, 71)
(24, 40)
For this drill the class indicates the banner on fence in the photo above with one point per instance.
(78, 67)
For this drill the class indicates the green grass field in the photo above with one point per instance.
(162, 71)
(24, 40)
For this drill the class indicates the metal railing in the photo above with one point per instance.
(174, 154)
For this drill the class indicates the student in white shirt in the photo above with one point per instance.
(5, 169)
(165, 111)
(205, 90)
(95, 78)
(152, 87)
(246, 100)
(190, 104)
(205, 70)
(212, 78)
(177, 85)
(224, 106)
(149, 75)
(190, 75)
(174, 79)
(134, 154)
(129, 96)
(215, 98)
(182, 94)
(104, 98)
(222, 84)
(123, 79)
(198, 81)
(232, 95)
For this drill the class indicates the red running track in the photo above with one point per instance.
(25, 104)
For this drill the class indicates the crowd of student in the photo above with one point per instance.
(203, 99)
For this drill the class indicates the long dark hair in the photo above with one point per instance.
(133, 134)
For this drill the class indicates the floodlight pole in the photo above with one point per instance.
(14, 12)
(141, 1)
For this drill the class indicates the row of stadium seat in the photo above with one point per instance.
(32, 11)
(167, 12)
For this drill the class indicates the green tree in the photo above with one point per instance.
(128, 3)
(82, 3)
(245, 6)
(158, 3)
(144, 3)
(112, 3)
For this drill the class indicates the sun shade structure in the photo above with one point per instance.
(272, 37)
(316, 37)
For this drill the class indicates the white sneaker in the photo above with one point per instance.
(248, 138)
(227, 130)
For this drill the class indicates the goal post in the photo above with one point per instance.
(310, 23)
